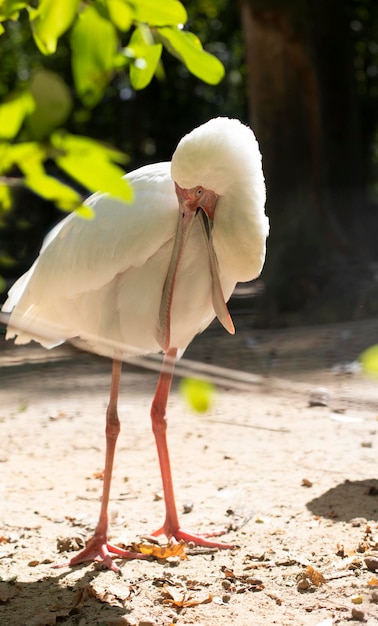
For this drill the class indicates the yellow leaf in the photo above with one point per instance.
(121, 14)
(314, 575)
(161, 552)
(13, 112)
(50, 20)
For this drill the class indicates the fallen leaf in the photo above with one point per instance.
(98, 475)
(82, 595)
(228, 572)
(181, 599)
(161, 552)
(373, 581)
(69, 544)
(308, 578)
(315, 576)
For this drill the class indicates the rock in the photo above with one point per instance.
(371, 563)
(358, 614)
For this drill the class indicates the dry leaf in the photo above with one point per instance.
(314, 575)
(228, 572)
(308, 578)
(373, 581)
(98, 475)
(69, 544)
(161, 552)
(82, 595)
(181, 599)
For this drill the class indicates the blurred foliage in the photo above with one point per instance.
(41, 100)
(369, 361)
(72, 70)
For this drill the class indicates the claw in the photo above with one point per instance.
(98, 549)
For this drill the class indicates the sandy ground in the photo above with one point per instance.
(293, 483)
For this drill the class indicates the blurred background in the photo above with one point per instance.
(305, 76)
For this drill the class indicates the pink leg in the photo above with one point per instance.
(171, 527)
(98, 548)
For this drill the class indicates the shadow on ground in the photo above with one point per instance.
(348, 500)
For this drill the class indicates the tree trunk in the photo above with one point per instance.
(302, 106)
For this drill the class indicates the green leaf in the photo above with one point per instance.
(90, 163)
(53, 103)
(121, 14)
(52, 189)
(9, 9)
(188, 48)
(28, 156)
(2, 30)
(159, 13)
(50, 20)
(13, 112)
(146, 59)
(94, 55)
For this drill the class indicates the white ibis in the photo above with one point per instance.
(150, 275)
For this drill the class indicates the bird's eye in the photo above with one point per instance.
(199, 191)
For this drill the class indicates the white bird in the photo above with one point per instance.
(146, 277)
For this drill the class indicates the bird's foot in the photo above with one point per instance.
(98, 549)
(178, 534)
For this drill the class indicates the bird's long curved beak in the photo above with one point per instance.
(187, 214)
(219, 303)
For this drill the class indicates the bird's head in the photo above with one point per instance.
(219, 155)
(218, 176)
(197, 198)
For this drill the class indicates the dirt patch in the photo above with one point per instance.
(288, 470)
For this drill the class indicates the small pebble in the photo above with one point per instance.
(147, 622)
(226, 584)
(306, 482)
(303, 584)
(318, 397)
(226, 597)
(374, 596)
(356, 522)
(371, 563)
(358, 614)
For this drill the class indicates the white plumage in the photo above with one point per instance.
(151, 274)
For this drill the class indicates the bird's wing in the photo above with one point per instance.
(80, 255)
